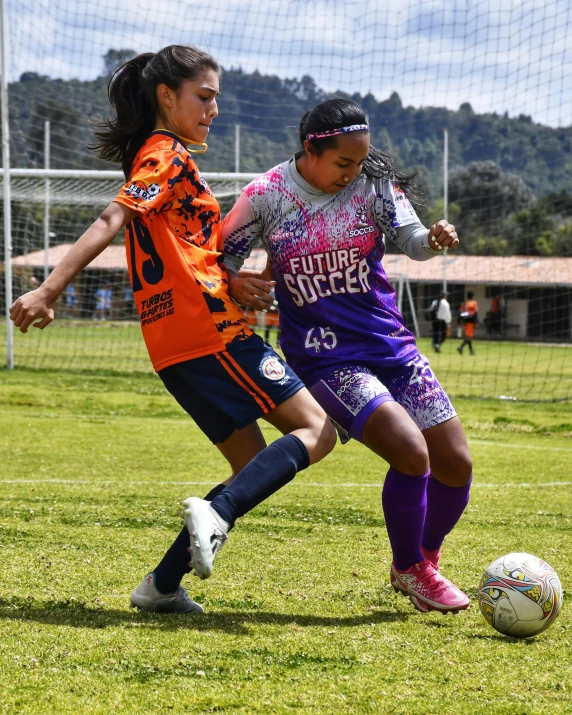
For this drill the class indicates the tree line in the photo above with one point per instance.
(509, 176)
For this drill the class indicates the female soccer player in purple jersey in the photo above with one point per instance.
(322, 216)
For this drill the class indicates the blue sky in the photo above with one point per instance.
(513, 56)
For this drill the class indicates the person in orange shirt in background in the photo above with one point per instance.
(468, 313)
(222, 375)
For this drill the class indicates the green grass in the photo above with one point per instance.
(300, 615)
(526, 371)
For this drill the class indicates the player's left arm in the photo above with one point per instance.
(410, 235)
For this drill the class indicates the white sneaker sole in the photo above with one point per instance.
(145, 604)
(200, 525)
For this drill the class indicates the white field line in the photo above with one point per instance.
(296, 483)
(492, 443)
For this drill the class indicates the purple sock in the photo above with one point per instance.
(445, 506)
(404, 504)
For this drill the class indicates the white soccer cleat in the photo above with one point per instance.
(146, 597)
(208, 533)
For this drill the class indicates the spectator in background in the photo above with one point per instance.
(108, 302)
(440, 312)
(103, 303)
(128, 302)
(494, 316)
(469, 315)
(99, 313)
(70, 301)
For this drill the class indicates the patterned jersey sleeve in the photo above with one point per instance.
(396, 217)
(240, 231)
(153, 182)
(392, 208)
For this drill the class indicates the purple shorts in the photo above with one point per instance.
(351, 393)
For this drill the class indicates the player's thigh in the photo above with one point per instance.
(301, 414)
(363, 407)
(418, 391)
(297, 412)
(391, 434)
(449, 453)
(241, 447)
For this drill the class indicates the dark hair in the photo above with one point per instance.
(470, 294)
(339, 112)
(132, 93)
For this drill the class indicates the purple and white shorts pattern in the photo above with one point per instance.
(350, 394)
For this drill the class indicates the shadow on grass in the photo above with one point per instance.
(80, 615)
(529, 640)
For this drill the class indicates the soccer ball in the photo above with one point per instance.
(520, 595)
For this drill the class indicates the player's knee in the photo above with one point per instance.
(457, 470)
(325, 438)
(320, 435)
(461, 469)
(330, 436)
(413, 458)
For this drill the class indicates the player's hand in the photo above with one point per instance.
(252, 292)
(443, 235)
(32, 308)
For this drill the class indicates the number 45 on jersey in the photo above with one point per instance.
(318, 338)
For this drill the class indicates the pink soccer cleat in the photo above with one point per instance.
(428, 590)
(432, 556)
(398, 587)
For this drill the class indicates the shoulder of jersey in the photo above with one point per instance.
(266, 180)
(162, 144)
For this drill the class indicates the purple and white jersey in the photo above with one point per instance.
(336, 302)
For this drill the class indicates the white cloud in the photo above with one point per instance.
(512, 56)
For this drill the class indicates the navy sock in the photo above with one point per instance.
(175, 564)
(270, 470)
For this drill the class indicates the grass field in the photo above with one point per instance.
(300, 615)
(535, 372)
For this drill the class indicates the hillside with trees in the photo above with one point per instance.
(510, 177)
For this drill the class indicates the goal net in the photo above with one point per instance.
(474, 97)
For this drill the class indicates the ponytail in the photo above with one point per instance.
(132, 92)
(337, 113)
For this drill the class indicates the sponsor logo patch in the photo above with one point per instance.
(140, 190)
(272, 368)
(363, 227)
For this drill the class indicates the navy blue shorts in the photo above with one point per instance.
(231, 389)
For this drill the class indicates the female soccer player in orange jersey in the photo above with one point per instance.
(221, 373)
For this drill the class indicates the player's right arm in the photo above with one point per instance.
(37, 306)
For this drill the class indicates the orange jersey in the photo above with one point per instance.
(174, 254)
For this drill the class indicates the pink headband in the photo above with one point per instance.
(340, 130)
